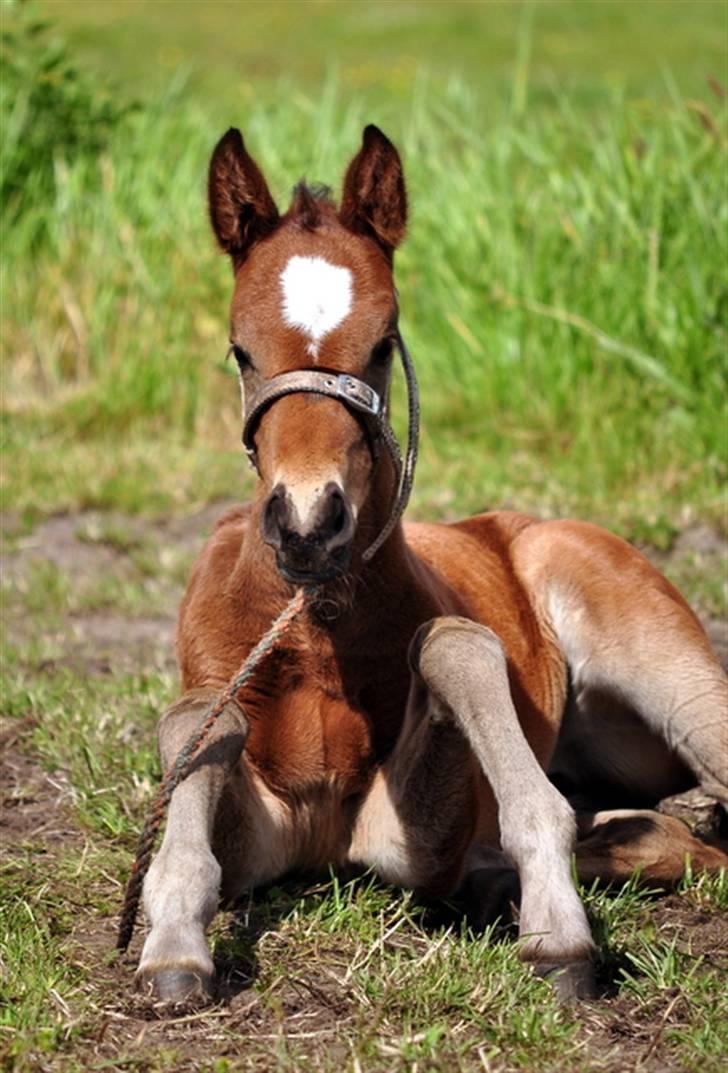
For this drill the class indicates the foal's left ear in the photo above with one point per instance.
(241, 207)
(374, 200)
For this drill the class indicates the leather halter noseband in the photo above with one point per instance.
(357, 395)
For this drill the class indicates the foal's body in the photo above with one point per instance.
(409, 717)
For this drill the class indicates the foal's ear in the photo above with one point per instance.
(241, 208)
(374, 200)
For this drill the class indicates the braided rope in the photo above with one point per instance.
(406, 473)
(181, 767)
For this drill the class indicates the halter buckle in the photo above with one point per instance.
(358, 394)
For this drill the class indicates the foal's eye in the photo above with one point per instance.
(241, 356)
(382, 352)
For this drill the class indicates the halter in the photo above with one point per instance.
(359, 396)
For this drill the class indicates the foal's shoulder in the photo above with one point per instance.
(221, 550)
(234, 518)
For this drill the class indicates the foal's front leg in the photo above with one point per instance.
(425, 790)
(464, 666)
(182, 887)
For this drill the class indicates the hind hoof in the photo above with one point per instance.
(571, 980)
(177, 986)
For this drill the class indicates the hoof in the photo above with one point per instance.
(177, 985)
(571, 980)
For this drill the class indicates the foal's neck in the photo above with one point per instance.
(368, 601)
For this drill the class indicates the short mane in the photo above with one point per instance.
(310, 204)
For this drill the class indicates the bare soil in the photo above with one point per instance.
(32, 802)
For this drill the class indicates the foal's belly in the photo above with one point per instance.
(262, 835)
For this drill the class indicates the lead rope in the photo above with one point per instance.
(183, 763)
(405, 473)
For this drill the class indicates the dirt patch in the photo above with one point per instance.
(629, 1032)
(621, 1035)
(78, 555)
(302, 1013)
(123, 641)
(697, 931)
(33, 803)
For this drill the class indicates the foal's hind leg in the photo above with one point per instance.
(613, 845)
(650, 700)
(648, 714)
(425, 799)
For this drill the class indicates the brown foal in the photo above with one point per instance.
(422, 711)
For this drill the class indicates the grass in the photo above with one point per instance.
(337, 976)
(233, 52)
(562, 290)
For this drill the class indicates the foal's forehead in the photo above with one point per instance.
(313, 291)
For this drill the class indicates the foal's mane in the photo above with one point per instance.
(312, 204)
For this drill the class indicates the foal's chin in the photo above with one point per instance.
(315, 575)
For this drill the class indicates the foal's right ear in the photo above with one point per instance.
(241, 208)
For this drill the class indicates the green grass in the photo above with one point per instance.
(232, 52)
(560, 290)
(337, 976)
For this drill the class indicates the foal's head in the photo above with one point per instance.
(313, 291)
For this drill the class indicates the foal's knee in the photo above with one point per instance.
(445, 652)
(180, 720)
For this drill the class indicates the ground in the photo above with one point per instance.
(315, 975)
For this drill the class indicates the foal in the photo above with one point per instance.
(409, 719)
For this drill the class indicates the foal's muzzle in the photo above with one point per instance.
(313, 549)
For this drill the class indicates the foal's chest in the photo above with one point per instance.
(310, 732)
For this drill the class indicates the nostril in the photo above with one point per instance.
(339, 526)
(275, 518)
(338, 514)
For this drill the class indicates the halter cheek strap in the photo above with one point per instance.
(359, 396)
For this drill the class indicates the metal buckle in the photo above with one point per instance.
(358, 394)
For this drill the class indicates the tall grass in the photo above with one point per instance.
(562, 290)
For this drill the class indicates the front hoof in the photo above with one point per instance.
(182, 985)
(571, 980)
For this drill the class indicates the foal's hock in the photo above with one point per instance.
(442, 680)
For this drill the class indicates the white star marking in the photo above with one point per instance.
(316, 297)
